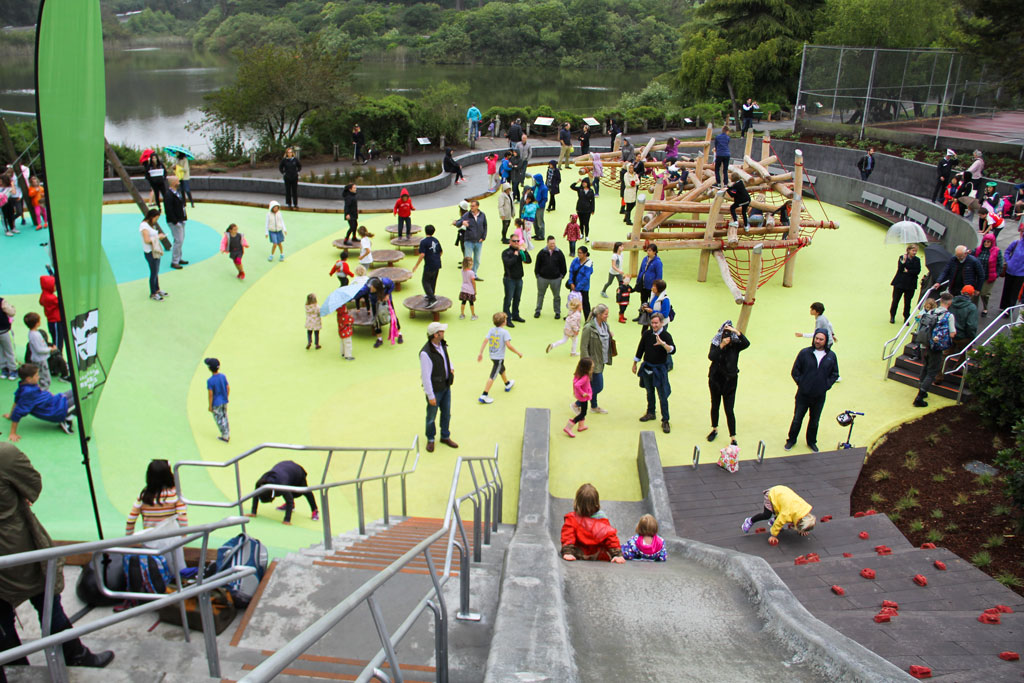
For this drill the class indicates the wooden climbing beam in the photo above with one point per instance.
(753, 280)
(794, 226)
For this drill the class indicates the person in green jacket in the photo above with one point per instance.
(21, 532)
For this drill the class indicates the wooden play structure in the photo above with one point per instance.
(691, 213)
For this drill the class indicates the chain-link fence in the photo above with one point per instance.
(870, 91)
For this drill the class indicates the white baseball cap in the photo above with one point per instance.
(434, 328)
(950, 153)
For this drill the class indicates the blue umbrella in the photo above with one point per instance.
(175, 150)
(342, 295)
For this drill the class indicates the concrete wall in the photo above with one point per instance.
(274, 186)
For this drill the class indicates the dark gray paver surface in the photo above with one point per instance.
(937, 625)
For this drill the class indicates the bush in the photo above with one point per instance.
(1011, 460)
(995, 379)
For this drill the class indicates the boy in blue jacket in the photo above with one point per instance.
(540, 193)
(29, 399)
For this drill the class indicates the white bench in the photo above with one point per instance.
(895, 207)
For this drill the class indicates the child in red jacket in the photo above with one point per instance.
(403, 209)
(345, 322)
(586, 532)
(51, 307)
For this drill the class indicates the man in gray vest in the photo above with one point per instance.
(437, 377)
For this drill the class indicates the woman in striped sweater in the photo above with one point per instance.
(158, 502)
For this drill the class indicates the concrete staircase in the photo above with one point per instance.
(907, 370)
(297, 589)
(937, 625)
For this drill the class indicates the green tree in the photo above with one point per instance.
(989, 29)
(882, 23)
(276, 88)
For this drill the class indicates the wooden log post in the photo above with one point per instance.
(638, 223)
(794, 216)
(123, 174)
(766, 145)
(723, 267)
(753, 278)
(709, 233)
(748, 143)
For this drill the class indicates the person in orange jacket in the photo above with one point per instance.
(586, 532)
(403, 209)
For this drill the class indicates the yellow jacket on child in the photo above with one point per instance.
(788, 507)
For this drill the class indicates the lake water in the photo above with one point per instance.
(153, 93)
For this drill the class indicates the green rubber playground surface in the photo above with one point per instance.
(154, 404)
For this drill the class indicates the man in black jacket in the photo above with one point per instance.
(550, 270)
(815, 370)
(515, 132)
(513, 259)
(174, 212)
(945, 171)
(866, 164)
(358, 142)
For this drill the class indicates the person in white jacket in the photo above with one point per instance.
(505, 210)
(276, 230)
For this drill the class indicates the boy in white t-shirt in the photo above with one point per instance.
(497, 340)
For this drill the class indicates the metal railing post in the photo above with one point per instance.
(464, 613)
(477, 550)
(760, 451)
(487, 516)
(55, 653)
(696, 456)
(385, 638)
(867, 94)
(325, 511)
(209, 634)
(384, 495)
(359, 509)
(238, 486)
(405, 510)
(440, 611)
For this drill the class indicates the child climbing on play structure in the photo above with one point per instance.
(586, 532)
(284, 473)
(467, 293)
(276, 230)
(782, 506)
(313, 324)
(497, 340)
(234, 244)
(582, 393)
(646, 544)
(345, 322)
(740, 200)
(218, 390)
(573, 319)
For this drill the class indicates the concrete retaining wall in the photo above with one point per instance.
(531, 632)
(652, 483)
(273, 186)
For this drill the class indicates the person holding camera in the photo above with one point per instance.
(723, 374)
(747, 114)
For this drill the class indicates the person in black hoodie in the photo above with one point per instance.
(724, 356)
(515, 133)
(815, 370)
(351, 212)
(449, 165)
(358, 142)
(553, 180)
(289, 169)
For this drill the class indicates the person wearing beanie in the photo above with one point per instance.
(217, 390)
(815, 370)
(965, 313)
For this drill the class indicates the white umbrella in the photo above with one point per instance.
(342, 295)
(905, 232)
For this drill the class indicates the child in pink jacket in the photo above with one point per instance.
(582, 392)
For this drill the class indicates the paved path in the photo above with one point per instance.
(937, 625)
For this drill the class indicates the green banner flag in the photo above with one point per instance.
(71, 107)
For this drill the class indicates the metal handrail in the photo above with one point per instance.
(890, 347)
(486, 493)
(964, 366)
(323, 487)
(51, 642)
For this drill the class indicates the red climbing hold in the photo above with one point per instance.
(864, 535)
(1009, 656)
(890, 603)
(987, 618)
(882, 618)
(858, 514)
(940, 565)
(826, 518)
(838, 590)
(760, 530)
(927, 546)
(867, 573)
(920, 671)
(883, 550)
(868, 513)
(847, 554)
(1004, 609)
(920, 580)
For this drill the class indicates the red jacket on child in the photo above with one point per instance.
(590, 538)
(344, 323)
(403, 205)
(48, 299)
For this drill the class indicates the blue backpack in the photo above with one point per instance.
(243, 550)
(146, 573)
(940, 338)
